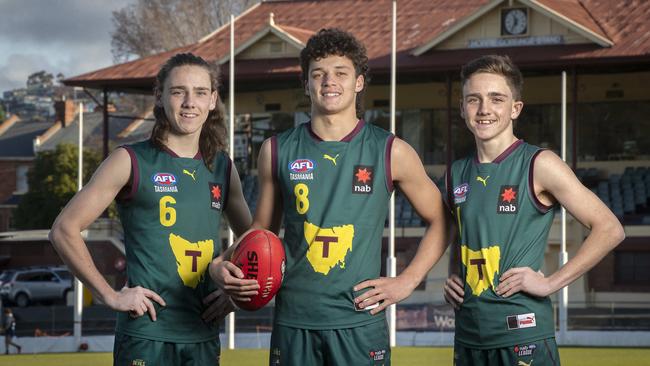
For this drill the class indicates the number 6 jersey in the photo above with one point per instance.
(171, 219)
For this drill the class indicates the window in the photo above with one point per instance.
(21, 179)
(632, 268)
(613, 131)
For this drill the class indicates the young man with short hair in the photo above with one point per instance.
(503, 200)
(331, 180)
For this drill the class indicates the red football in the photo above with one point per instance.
(260, 255)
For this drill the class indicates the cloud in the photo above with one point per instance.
(14, 73)
(58, 36)
(58, 21)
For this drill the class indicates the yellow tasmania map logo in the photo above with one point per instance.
(482, 266)
(328, 247)
(191, 258)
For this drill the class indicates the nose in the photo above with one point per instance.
(188, 101)
(483, 108)
(327, 80)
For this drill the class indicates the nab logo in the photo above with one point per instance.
(164, 179)
(460, 193)
(362, 179)
(216, 196)
(508, 200)
(301, 166)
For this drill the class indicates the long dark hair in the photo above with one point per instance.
(213, 132)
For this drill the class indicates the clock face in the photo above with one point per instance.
(515, 21)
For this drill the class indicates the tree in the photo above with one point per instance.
(153, 26)
(40, 79)
(3, 115)
(52, 183)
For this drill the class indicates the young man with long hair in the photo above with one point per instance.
(171, 191)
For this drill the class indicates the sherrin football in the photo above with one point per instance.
(260, 255)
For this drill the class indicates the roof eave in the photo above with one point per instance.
(455, 28)
(269, 29)
(575, 26)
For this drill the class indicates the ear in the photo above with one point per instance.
(517, 107)
(214, 97)
(359, 84)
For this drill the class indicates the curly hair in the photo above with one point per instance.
(213, 132)
(333, 41)
(495, 64)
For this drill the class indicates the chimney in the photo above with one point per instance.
(65, 112)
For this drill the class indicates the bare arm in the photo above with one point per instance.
(409, 174)
(267, 216)
(84, 208)
(239, 216)
(554, 180)
(454, 291)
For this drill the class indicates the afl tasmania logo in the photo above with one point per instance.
(164, 182)
(460, 193)
(301, 169)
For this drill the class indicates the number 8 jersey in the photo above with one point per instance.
(335, 197)
(171, 219)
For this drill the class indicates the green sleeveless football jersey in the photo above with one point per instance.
(171, 221)
(335, 196)
(502, 225)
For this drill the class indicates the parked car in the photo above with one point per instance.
(23, 286)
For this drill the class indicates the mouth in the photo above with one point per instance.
(484, 122)
(331, 94)
(189, 115)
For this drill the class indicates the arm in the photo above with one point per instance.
(84, 208)
(554, 181)
(226, 274)
(239, 219)
(268, 214)
(425, 197)
(454, 291)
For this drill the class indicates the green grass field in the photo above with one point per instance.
(402, 356)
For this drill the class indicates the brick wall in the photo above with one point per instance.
(8, 178)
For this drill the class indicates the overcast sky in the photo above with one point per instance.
(58, 36)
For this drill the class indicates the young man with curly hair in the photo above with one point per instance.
(171, 191)
(331, 180)
(504, 199)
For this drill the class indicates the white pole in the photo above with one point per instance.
(230, 327)
(78, 286)
(391, 261)
(563, 296)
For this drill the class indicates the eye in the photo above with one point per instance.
(316, 75)
(202, 93)
(471, 100)
(177, 92)
(341, 73)
(498, 100)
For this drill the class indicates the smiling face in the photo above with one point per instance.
(332, 86)
(488, 107)
(187, 99)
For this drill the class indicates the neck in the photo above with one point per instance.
(488, 151)
(333, 127)
(185, 146)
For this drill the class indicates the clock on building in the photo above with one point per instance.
(514, 21)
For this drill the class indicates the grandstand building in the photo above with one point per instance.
(603, 46)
